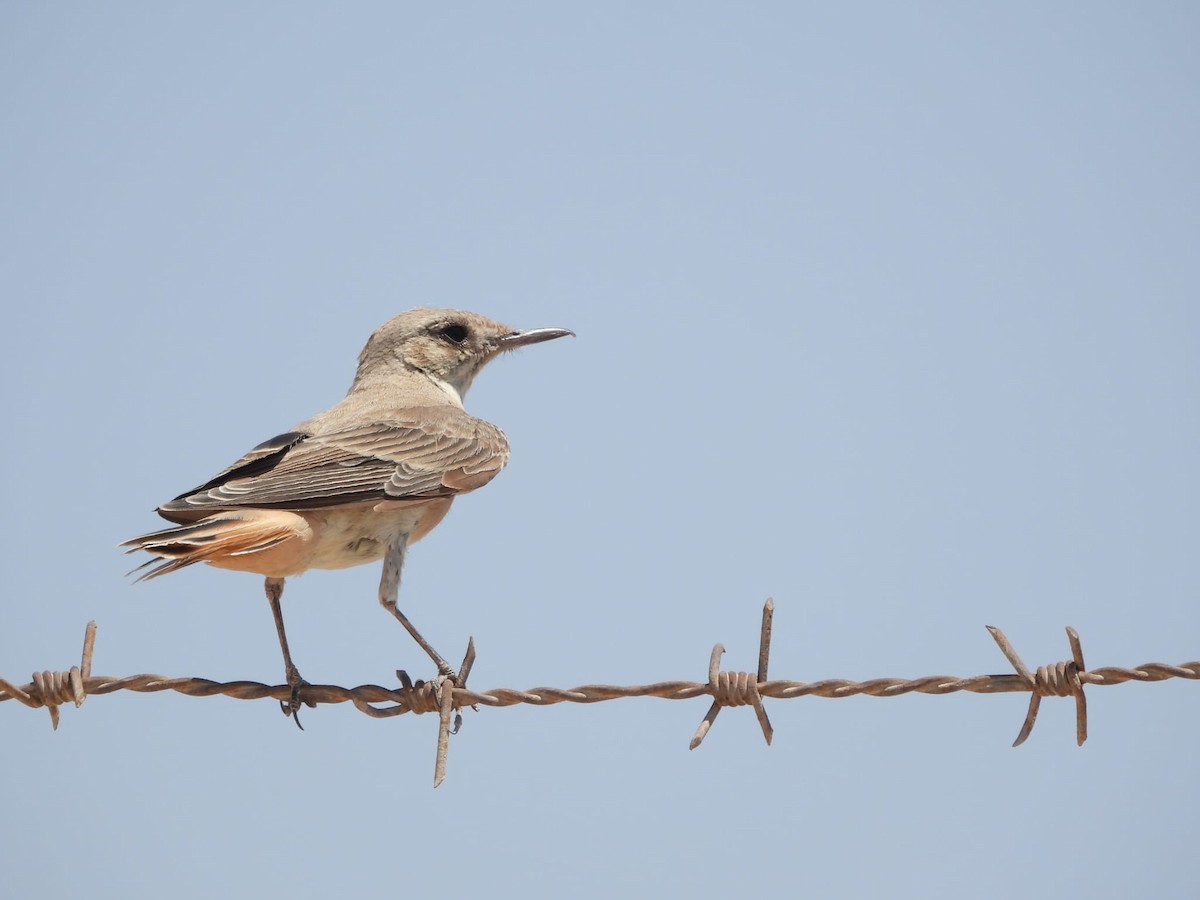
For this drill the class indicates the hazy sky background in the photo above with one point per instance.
(888, 311)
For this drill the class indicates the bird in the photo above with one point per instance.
(357, 483)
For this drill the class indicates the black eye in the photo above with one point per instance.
(454, 333)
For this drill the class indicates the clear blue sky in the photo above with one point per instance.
(888, 311)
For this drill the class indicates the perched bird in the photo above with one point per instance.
(358, 482)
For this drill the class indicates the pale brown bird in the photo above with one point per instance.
(358, 482)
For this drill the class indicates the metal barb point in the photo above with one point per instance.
(85, 663)
(738, 688)
(1058, 680)
(447, 705)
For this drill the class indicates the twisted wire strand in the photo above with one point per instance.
(833, 688)
(446, 697)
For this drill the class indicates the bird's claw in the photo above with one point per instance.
(291, 707)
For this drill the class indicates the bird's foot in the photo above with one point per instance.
(291, 707)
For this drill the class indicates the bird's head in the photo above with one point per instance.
(448, 345)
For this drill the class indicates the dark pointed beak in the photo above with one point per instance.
(533, 336)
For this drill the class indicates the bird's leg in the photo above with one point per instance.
(389, 591)
(274, 589)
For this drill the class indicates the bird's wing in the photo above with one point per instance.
(410, 457)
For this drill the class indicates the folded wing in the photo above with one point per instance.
(416, 455)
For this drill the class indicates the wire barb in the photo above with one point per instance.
(448, 687)
(739, 688)
(1059, 680)
(52, 689)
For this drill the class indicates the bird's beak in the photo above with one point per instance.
(533, 336)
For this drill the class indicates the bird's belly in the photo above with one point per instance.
(356, 535)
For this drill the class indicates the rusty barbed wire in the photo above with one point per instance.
(446, 697)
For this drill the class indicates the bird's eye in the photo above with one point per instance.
(454, 333)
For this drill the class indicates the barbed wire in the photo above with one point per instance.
(447, 696)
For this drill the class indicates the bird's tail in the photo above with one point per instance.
(221, 538)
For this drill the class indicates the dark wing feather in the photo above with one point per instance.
(262, 458)
(407, 458)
